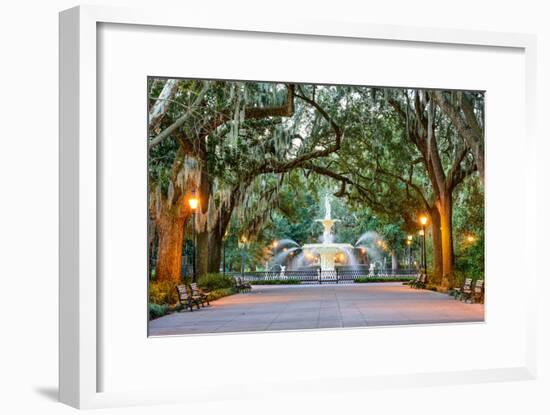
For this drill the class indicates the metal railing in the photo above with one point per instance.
(317, 276)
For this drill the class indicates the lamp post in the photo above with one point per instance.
(193, 204)
(243, 245)
(423, 222)
(409, 243)
(421, 233)
(223, 252)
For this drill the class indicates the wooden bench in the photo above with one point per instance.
(412, 283)
(461, 292)
(477, 292)
(198, 294)
(422, 281)
(185, 299)
(241, 285)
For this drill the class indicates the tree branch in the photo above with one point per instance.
(159, 108)
(285, 110)
(470, 133)
(181, 120)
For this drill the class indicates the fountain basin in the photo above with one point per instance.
(327, 253)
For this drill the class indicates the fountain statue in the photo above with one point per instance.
(327, 250)
(372, 267)
(282, 273)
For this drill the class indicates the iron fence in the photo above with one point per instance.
(317, 276)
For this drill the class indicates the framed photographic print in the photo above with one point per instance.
(249, 195)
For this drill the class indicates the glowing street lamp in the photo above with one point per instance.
(409, 243)
(193, 203)
(275, 244)
(423, 222)
(223, 249)
(243, 243)
(470, 238)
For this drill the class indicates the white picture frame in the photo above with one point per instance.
(79, 310)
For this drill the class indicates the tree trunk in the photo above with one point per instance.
(152, 243)
(394, 261)
(445, 212)
(170, 226)
(159, 108)
(437, 249)
(202, 253)
(468, 127)
(214, 251)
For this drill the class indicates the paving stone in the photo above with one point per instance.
(319, 306)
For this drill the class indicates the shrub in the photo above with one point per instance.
(156, 310)
(470, 260)
(275, 282)
(212, 282)
(381, 279)
(163, 292)
(221, 292)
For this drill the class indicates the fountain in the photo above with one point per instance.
(327, 249)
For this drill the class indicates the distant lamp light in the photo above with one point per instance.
(470, 238)
(193, 202)
(421, 232)
(275, 244)
(423, 220)
(409, 237)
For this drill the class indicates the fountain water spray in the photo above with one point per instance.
(328, 250)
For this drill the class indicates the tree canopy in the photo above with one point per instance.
(260, 156)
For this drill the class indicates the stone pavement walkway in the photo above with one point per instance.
(295, 307)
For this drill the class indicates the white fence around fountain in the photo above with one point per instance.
(318, 276)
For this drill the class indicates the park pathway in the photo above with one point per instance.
(297, 307)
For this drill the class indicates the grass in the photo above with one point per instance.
(275, 282)
(160, 310)
(221, 292)
(360, 280)
(364, 280)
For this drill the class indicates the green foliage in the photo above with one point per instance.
(157, 310)
(470, 260)
(385, 183)
(469, 219)
(290, 281)
(394, 236)
(363, 280)
(221, 292)
(212, 282)
(163, 292)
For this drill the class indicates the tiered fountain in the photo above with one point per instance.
(328, 250)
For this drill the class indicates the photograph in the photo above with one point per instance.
(228, 208)
(293, 206)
